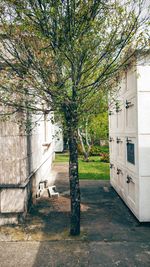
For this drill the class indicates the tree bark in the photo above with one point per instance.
(74, 182)
(72, 133)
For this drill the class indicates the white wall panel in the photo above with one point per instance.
(131, 80)
(144, 199)
(144, 112)
(120, 118)
(143, 80)
(120, 149)
(130, 114)
(113, 170)
(144, 155)
(132, 146)
(112, 147)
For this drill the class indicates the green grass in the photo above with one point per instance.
(61, 157)
(93, 170)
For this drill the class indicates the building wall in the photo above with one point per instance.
(42, 152)
(129, 127)
(59, 143)
(13, 153)
(25, 160)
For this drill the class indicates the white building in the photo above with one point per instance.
(59, 143)
(129, 125)
(25, 161)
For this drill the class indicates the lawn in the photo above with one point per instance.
(93, 170)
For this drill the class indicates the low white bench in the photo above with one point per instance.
(52, 191)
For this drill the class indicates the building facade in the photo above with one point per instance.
(129, 126)
(59, 142)
(25, 161)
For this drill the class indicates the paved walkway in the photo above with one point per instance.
(110, 234)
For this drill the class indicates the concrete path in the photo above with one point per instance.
(110, 234)
(74, 253)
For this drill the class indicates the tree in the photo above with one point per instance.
(62, 53)
(98, 127)
(93, 124)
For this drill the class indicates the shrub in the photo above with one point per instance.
(95, 151)
(104, 149)
(104, 157)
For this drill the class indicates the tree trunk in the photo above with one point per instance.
(71, 117)
(74, 182)
(85, 153)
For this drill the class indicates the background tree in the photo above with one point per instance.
(98, 127)
(62, 53)
(93, 123)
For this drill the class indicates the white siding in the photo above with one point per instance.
(132, 181)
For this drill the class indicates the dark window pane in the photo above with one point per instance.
(130, 153)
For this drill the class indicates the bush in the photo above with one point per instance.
(104, 157)
(104, 149)
(97, 150)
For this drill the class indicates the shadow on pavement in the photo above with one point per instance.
(110, 234)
